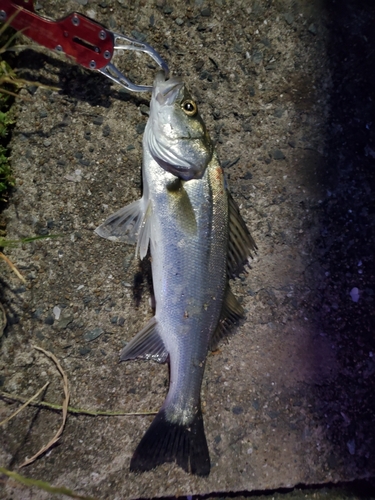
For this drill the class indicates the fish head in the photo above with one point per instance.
(176, 134)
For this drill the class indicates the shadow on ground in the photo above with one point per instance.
(346, 313)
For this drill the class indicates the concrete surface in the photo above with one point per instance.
(285, 88)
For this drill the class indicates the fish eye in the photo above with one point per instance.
(190, 108)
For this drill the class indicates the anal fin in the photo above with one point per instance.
(147, 344)
(232, 312)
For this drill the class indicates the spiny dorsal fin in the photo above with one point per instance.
(240, 242)
(231, 313)
(129, 224)
(147, 344)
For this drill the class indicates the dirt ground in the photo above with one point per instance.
(286, 90)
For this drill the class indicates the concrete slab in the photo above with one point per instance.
(289, 399)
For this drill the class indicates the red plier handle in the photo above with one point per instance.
(89, 43)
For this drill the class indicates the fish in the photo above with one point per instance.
(197, 239)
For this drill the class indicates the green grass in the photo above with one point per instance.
(8, 84)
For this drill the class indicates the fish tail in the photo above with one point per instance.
(167, 441)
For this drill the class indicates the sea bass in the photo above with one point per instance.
(197, 240)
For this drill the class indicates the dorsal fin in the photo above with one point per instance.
(231, 313)
(240, 242)
(147, 344)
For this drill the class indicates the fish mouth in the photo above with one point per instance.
(167, 91)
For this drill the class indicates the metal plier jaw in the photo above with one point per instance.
(90, 44)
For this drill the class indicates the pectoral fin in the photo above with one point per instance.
(147, 344)
(130, 224)
(231, 313)
(240, 242)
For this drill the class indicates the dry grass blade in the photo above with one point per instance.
(42, 485)
(79, 411)
(24, 405)
(12, 266)
(64, 408)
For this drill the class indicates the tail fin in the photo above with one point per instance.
(167, 441)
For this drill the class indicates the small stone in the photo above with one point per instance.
(49, 320)
(292, 143)
(247, 176)
(199, 65)
(93, 334)
(112, 22)
(278, 113)
(43, 113)
(160, 3)
(278, 155)
(97, 120)
(144, 109)
(205, 75)
(251, 90)
(140, 128)
(65, 320)
(247, 127)
(168, 9)
(354, 294)
(84, 350)
(82, 2)
(114, 320)
(237, 410)
(312, 29)
(32, 89)
(289, 18)
(206, 12)
(56, 311)
(106, 131)
(47, 143)
(179, 21)
(271, 67)
(257, 56)
(130, 147)
(121, 321)
(141, 37)
(351, 446)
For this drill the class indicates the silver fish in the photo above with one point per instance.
(197, 240)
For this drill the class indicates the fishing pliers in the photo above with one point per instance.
(87, 42)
